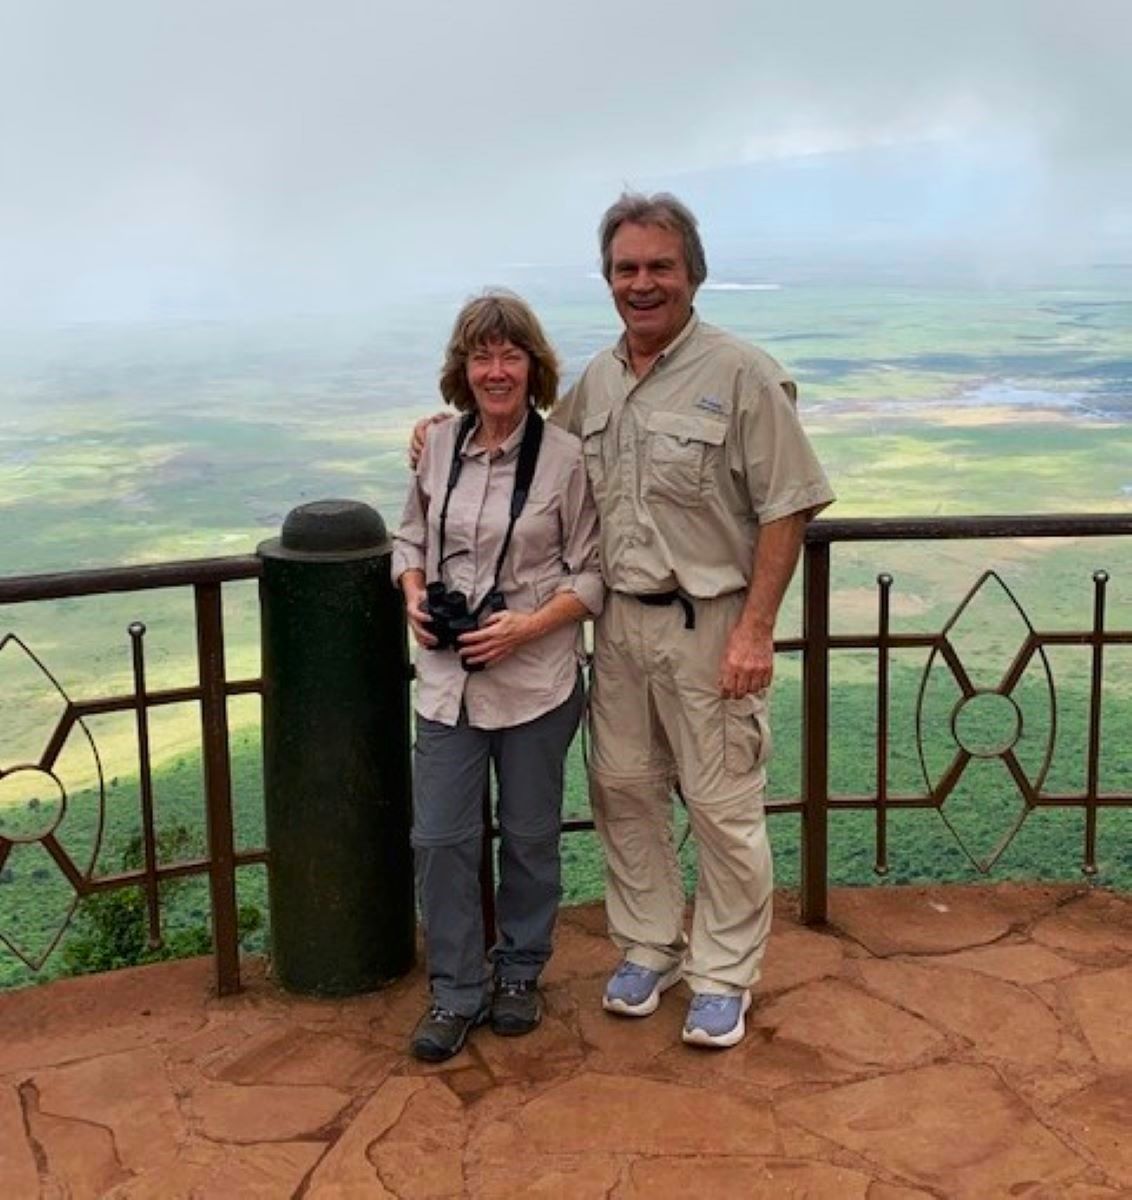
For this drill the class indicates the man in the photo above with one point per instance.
(704, 481)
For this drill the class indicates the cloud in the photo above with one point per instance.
(241, 153)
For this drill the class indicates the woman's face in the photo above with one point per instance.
(498, 374)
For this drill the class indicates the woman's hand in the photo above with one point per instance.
(503, 632)
(498, 636)
(412, 585)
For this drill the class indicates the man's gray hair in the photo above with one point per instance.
(664, 210)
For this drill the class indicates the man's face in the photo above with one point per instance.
(650, 284)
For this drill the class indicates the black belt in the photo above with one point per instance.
(663, 599)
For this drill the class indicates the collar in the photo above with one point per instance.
(509, 448)
(621, 350)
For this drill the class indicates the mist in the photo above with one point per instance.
(217, 159)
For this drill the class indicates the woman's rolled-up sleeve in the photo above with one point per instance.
(410, 542)
(580, 555)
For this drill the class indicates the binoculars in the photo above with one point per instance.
(449, 616)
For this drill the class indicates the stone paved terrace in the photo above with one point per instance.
(929, 1042)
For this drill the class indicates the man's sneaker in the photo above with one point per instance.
(516, 1007)
(715, 1020)
(634, 991)
(441, 1033)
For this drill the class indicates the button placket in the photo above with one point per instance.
(463, 571)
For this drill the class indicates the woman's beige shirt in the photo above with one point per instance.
(554, 548)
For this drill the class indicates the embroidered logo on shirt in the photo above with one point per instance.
(711, 404)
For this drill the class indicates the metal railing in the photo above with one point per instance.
(816, 646)
(206, 577)
(818, 643)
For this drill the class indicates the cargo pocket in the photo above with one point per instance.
(681, 457)
(746, 735)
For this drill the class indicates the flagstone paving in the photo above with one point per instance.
(938, 1042)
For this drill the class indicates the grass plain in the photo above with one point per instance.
(193, 440)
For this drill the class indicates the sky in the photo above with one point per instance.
(216, 157)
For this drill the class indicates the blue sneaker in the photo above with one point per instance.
(634, 991)
(715, 1020)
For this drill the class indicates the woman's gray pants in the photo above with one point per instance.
(450, 771)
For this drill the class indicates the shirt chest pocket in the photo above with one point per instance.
(681, 457)
(594, 427)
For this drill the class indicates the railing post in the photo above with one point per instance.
(145, 784)
(1096, 703)
(815, 733)
(336, 753)
(217, 786)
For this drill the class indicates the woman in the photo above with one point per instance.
(497, 560)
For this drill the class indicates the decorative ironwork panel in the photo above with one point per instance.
(40, 823)
(986, 722)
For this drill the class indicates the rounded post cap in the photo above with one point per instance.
(329, 530)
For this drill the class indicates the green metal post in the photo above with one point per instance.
(336, 753)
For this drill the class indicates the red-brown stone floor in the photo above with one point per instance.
(929, 1042)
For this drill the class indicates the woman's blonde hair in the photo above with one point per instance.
(498, 316)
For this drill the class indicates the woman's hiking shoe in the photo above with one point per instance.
(634, 991)
(516, 1007)
(441, 1033)
(715, 1020)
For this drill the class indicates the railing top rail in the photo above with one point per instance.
(898, 529)
(17, 589)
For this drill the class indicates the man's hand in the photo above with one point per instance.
(748, 662)
(497, 637)
(748, 659)
(420, 433)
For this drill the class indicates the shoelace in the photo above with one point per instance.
(704, 1004)
(444, 1015)
(514, 987)
(632, 970)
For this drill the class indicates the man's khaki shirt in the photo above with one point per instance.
(687, 462)
(553, 549)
